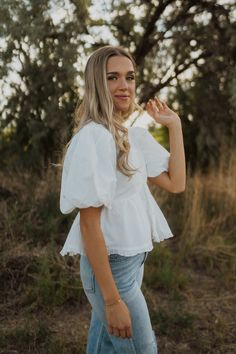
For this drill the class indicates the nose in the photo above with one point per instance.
(123, 84)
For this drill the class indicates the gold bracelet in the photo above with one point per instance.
(113, 303)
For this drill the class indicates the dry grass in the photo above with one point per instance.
(189, 280)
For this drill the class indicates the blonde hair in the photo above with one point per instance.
(97, 104)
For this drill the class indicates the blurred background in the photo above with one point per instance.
(185, 52)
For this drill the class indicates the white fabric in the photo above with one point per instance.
(130, 218)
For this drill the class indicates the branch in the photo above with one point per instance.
(181, 15)
(145, 44)
(151, 92)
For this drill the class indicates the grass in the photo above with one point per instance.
(54, 283)
(164, 272)
(35, 337)
(30, 335)
(189, 281)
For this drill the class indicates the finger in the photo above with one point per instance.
(153, 104)
(164, 104)
(149, 106)
(155, 107)
(149, 102)
(152, 108)
(123, 333)
(116, 332)
(159, 103)
(129, 332)
(110, 329)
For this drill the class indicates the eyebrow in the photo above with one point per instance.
(116, 73)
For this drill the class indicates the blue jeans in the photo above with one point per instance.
(128, 275)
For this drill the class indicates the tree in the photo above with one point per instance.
(179, 46)
(42, 56)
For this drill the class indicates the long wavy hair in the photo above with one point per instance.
(97, 104)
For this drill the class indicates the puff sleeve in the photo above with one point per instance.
(89, 171)
(155, 155)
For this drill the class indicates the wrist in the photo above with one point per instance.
(112, 302)
(111, 295)
(175, 124)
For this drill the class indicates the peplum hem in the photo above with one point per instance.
(139, 206)
(121, 252)
(157, 238)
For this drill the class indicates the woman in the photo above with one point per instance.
(105, 173)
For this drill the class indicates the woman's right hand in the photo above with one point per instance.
(119, 320)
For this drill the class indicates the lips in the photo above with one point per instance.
(122, 97)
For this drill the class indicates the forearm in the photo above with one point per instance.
(177, 168)
(96, 252)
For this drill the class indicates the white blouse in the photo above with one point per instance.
(130, 218)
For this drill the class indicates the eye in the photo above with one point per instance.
(131, 77)
(111, 78)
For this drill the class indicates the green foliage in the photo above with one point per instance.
(30, 335)
(54, 283)
(35, 336)
(208, 119)
(164, 272)
(31, 210)
(173, 322)
(37, 115)
(160, 134)
(170, 39)
(45, 221)
(177, 45)
(186, 278)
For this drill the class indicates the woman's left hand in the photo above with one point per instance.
(161, 113)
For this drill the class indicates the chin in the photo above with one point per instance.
(123, 109)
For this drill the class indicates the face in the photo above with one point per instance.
(121, 82)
